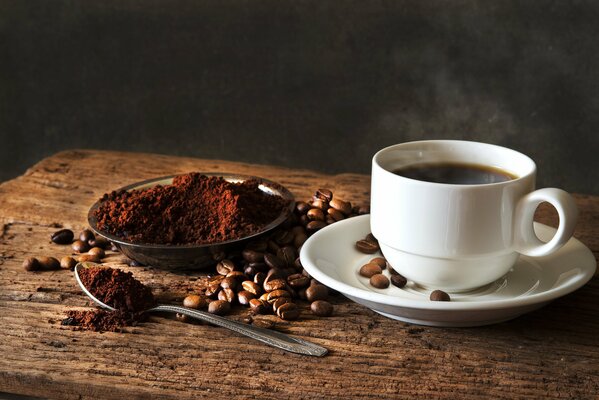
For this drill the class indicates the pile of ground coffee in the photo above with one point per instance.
(194, 209)
(101, 321)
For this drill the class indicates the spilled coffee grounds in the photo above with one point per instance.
(194, 209)
(101, 321)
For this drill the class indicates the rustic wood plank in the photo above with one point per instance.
(550, 353)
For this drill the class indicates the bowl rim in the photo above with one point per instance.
(273, 187)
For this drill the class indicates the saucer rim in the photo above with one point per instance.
(588, 268)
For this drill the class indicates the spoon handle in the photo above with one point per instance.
(270, 337)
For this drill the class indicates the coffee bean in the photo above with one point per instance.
(439, 295)
(324, 194)
(227, 295)
(258, 306)
(259, 278)
(340, 205)
(370, 238)
(288, 312)
(398, 280)
(194, 301)
(274, 284)
(298, 281)
(380, 261)
(244, 297)
(80, 246)
(367, 247)
(31, 264)
(314, 282)
(238, 276)
(362, 210)
(301, 293)
(271, 297)
(283, 238)
(274, 273)
(288, 255)
(252, 255)
(279, 302)
(100, 242)
(322, 308)
(97, 251)
(256, 245)
(379, 281)
(304, 220)
(259, 266)
(300, 239)
(274, 262)
(219, 307)
(67, 262)
(317, 292)
(48, 263)
(370, 269)
(250, 271)
(86, 235)
(329, 220)
(63, 236)
(272, 247)
(296, 230)
(228, 283)
(225, 266)
(251, 287)
(315, 214)
(263, 323)
(301, 207)
(320, 204)
(335, 214)
(89, 258)
(314, 226)
(181, 317)
(212, 289)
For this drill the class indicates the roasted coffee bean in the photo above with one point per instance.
(379, 281)
(314, 282)
(391, 270)
(288, 312)
(260, 266)
(31, 264)
(252, 255)
(324, 194)
(86, 235)
(298, 281)
(301, 293)
(80, 246)
(370, 238)
(296, 230)
(274, 273)
(100, 242)
(329, 220)
(89, 258)
(315, 214)
(244, 297)
(263, 323)
(219, 307)
(194, 301)
(340, 205)
(256, 245)
(301, 207)
(398, 280)
(274, 284)
(314, 226)
(273, 261)
(258, 306)
(250, 271)
(439, 295)
(322, 308)
(304, 220)
(67, 262)
(225, 266)
(251, 287)
(227, 295)
(370, 269)
(298, 264)
(317, 292)
(279, 302)
(273, 247)
(288, 255)
(367, 247)
(238, 276)
(271, 297)
(335, 214)
(181, 317)
(259, 278)
(48, 263)
(283, 238)
(380, 261)
(228, 283)
(300, 239)
(97, 251)
(363, 210)
(212, 289)
(63, 236)
(321, 205)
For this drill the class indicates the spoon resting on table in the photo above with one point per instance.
(270, 337)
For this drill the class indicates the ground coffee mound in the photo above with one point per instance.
(194, 209)
(101, 321)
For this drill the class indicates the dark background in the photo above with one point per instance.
(315, 84)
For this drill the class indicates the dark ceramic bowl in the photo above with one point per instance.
(192, 256)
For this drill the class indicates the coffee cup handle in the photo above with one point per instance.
(526, 240)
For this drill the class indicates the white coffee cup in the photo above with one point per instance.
(456, 237)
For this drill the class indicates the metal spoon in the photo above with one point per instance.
(272, 338)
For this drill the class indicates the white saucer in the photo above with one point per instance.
(331, 258)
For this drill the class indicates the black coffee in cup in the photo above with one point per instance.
(455, 173)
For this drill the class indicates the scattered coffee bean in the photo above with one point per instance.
(324, 195)
(298, 281)
(315, 214)
(288, 255)
(320, 204)
(212, 290)
(259, 278)
(274, 262)
(314, 226)
(300, 239)
(63, 236)
(398, 280)
(194, 301)
(227, 295)
(86, 235)
(274, 284)
(271, 297)
(258, 306)
(279, 302)
(80, 246)
(67, 262)
(89, 258)
(48, 263)
(362, 210)
(370, 269)
(283, 238)
(31, 264)
(244, 297)
(263, 323)
(97, 251)
(439, 295)
(367, 247)
(340, 205)
(322, 308)
(251, 287)
(301, 207)
(225, 266)
(238, 276)
(288, 312)
(228, 283)
(380, 261)
(252, 255)
(335, 214)
(317, 292)
(379, 281)
(370, 238)
(100, 242)
(219, 307)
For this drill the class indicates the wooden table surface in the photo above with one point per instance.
(549, 353)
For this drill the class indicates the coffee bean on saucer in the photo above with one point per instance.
(379, 281)
(370, 238)
(48, 263)
(398, 280)
(370, 269)
(324, 195)
(288, 312)
(86, 235)
(219, 307)
(439, 295)
(194, 301)
(380, 261)
(68, 262)
(31, 264)
(97, 251)
(322, 308)
(317, 292)
(367, 247)
(63, 236)
(225, 266)
(80, 246)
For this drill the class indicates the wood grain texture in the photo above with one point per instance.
(550, 353)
